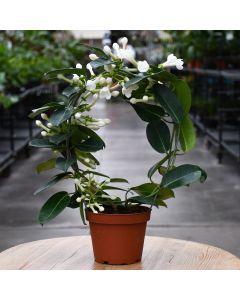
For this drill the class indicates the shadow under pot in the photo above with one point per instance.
(118, 239)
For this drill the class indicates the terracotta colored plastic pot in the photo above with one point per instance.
(118, 239)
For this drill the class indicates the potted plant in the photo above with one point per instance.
(161, 100)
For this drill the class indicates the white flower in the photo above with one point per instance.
(142, 66)
(44, 117)
(124, 42)
(87, 160)
(173, 61)
(78, 199)
(75, 77)
(107, 50)
(102, 80)
(115, 93)
(127, 54)
(93, 56)
(90, 69)
(49, 125)
(78, 66)
(109, 80)
(44, 133)
(133, 100)
(128, 91)
(105, 93)
(77, 115)
(91, 85)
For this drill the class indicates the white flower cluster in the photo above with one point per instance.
(46, 129)
(173, 61)
(91, 203)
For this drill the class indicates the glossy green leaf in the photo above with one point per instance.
(58, 138)
(41, 143)
(64, 164)
(158, 135)
(155, 167)
(53, 207)
(81, 156)
(142, 200)
(53, 181)
(46, 165)
(66, 71)
(73, 203)
(70, 91)
(44, 108)
(168, 100)
(164, 194)
(61, 115)
(85, 139)
(135, 80)
(119, 180)
(183, 175)
(183, 94)
(187, 136)
(101, 62)
(148, 112)
(145, 189)
(108, 187)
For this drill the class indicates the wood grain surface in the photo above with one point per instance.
(75, 253)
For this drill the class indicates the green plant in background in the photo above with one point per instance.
(26, 55)
(160, 99)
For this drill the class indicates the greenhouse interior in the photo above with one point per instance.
(206, 213)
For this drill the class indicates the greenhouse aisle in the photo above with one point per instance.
(208, 213)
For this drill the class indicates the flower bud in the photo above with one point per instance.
(115, 93)
(78, 199)
(93, 56)
(124, 42)
(75, 77)
(145, 98)
(78, 66)
(38, 123)
(44, 116)
(77, 115)
(133, 100)
(107, 181)
(49, 125)
(87, 160)
(107, 50)
(107, 121)
(102, 80)
(115, 47)
(113, 197)
(44, 133)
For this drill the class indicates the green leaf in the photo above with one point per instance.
(41, 143)
(135, 80)
(46, 165)
(169, 102)
(148, 112)
(71, 90)
(53, 181)
(183, 94)
(53, 207)
(155, 167)
(66, 71)
(94, 49)
(44, 108)
(101, 61)
(58, 138)
(145, 189)
(164, 194)
(108, 187)
(183, 175)
(163, 76)
(81, 156)
(187, 136)
(119, 180)
(142, 200)
(96, 173)
(158, 135)
(61, 115)
(64, 164)
(85, 139)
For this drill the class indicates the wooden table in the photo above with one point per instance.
(76, 253)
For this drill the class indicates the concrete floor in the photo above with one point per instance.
(207, 213)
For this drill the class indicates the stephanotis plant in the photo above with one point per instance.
(159, 98)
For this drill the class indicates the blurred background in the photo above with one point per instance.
(208, 213)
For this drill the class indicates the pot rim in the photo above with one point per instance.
(131, 218)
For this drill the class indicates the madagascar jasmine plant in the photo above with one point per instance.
(159, 98)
